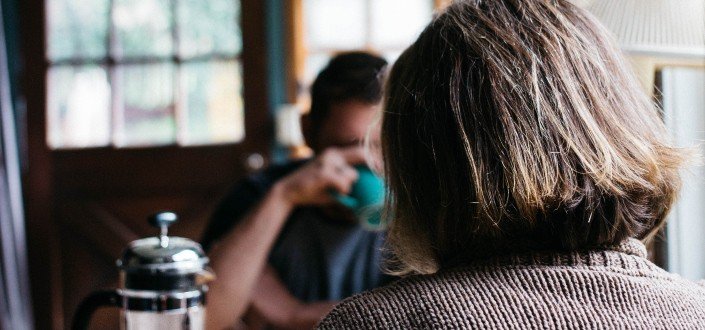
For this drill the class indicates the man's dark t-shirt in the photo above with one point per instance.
(317, 258)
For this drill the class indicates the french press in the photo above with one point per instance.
(162, 283)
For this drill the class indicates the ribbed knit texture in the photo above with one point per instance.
(616, 288)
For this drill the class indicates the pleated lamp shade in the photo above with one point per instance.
(671, 28)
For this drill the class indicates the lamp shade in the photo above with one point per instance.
(672, 28)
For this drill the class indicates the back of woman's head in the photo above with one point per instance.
(513, 125)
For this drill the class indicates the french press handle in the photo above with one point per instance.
(98, 299)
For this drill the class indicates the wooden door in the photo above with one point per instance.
(85, 205)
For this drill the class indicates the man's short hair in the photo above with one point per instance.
(352, 76)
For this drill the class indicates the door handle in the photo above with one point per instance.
(254, 162)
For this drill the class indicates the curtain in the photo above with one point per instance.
(15, 307)
(683, 101)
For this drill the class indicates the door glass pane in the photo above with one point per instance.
(207, 27)
(335, 23)
(397, 23)
(143, 28)
(211, 93)
(77, 29)
(78, 107)
(145, 105)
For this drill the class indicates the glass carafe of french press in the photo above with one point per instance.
(162, 283)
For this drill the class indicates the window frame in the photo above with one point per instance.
(297, 50)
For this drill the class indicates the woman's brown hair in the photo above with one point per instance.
(516, 125)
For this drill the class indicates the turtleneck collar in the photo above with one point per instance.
(630, 254)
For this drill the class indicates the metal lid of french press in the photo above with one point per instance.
(164, 254)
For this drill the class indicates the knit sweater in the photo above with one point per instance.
(615, 288)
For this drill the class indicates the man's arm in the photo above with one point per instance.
(240, 256)
(277, 308)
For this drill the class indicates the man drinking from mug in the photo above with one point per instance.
(283, 247)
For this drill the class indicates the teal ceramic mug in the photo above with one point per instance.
(366, 199)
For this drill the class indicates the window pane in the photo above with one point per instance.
(211, 93)
(315, 62)
(77, 29)
(78, 107)
(335, 23)
(145, 105)
(143, 28)
(397, 23)
(392, 56)
(207, 27)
